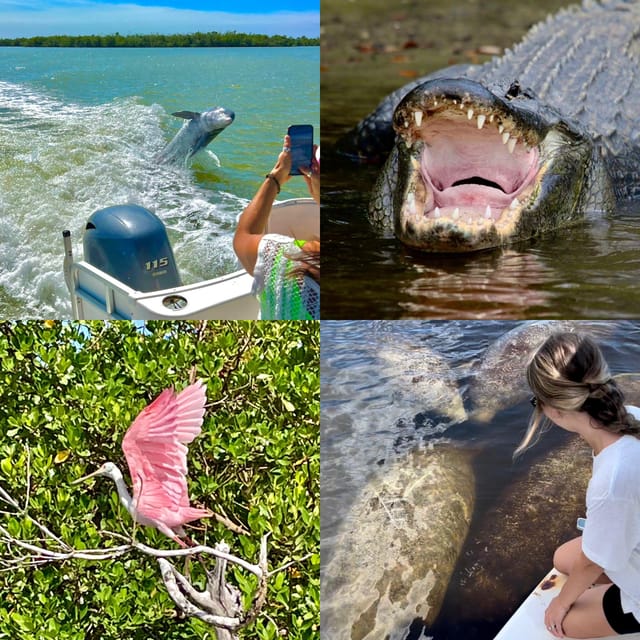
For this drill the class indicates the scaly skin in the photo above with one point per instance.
(573, 76)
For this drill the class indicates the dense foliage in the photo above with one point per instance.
(68, 393)
(209, 39)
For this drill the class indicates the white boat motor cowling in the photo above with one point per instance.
(130, 243)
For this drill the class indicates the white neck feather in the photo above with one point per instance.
(123, 492)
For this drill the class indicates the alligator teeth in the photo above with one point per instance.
(470, 114)
(481, 121)
(406, 124)
(512, 144)
(514, 204)
(505, 137)
(500, 128)
(456, 213)
(487, 212)
(436, 213)
(491, 118)
(435, 102)
(411, 201)
(417, 116)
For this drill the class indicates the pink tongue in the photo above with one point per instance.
(472, 195)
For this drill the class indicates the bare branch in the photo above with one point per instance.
(256, 569)
(7, 498)
(219, 605)
(40, 555)
(224, 626)
(289, 564)
(26, 500)
(261, 594)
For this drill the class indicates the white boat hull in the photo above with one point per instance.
(97, 295)
(527, 623)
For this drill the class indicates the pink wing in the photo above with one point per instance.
(156, 454)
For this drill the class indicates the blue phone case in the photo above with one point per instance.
(301, 147)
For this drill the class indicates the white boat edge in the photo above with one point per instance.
(527, 623)
(95, 295)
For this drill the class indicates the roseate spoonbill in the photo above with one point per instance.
(156, 452)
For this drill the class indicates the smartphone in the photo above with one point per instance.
(301, 146)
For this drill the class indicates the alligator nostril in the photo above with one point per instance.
(513, 91)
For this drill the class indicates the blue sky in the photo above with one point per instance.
(23, 18)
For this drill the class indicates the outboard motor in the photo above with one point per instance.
(130, 244)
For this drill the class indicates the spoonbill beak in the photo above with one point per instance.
(97, 472)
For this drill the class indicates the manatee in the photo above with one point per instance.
(407, 387)
(500, 380)
(398, 546)
(629, 384)
(513, 541)
(423, 380)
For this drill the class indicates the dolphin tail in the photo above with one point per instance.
(187, 115)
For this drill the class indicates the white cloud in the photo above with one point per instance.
(28, 19)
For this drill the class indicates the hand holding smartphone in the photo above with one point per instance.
(301, 136)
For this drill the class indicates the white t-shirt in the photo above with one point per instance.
(611, 537)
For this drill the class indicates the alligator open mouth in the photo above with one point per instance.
(474, 166)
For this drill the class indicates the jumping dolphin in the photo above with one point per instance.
(199, 130)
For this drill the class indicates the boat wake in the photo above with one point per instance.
(62, 161)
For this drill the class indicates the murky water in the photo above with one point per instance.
(371, 47)
(383, 399)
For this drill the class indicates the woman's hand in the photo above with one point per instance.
(282, 167)
(311, 176)
(553, 617)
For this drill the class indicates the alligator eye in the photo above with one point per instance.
(513, 91)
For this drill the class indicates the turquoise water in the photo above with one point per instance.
(79, 129)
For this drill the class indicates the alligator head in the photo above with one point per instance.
(472, 169)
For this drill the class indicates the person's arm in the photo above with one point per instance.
(253, 221)
(311, 176)
(583, 574)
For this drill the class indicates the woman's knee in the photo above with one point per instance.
(586, 618)
(566, 555)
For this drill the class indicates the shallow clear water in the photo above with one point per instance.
(370, 48)
(79, 130)
(375, 411)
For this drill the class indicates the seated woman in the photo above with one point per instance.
(573, 388)
(286, 270)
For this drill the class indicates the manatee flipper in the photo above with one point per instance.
(398, 547)
(187, 115)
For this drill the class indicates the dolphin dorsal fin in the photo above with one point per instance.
(187, 115)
